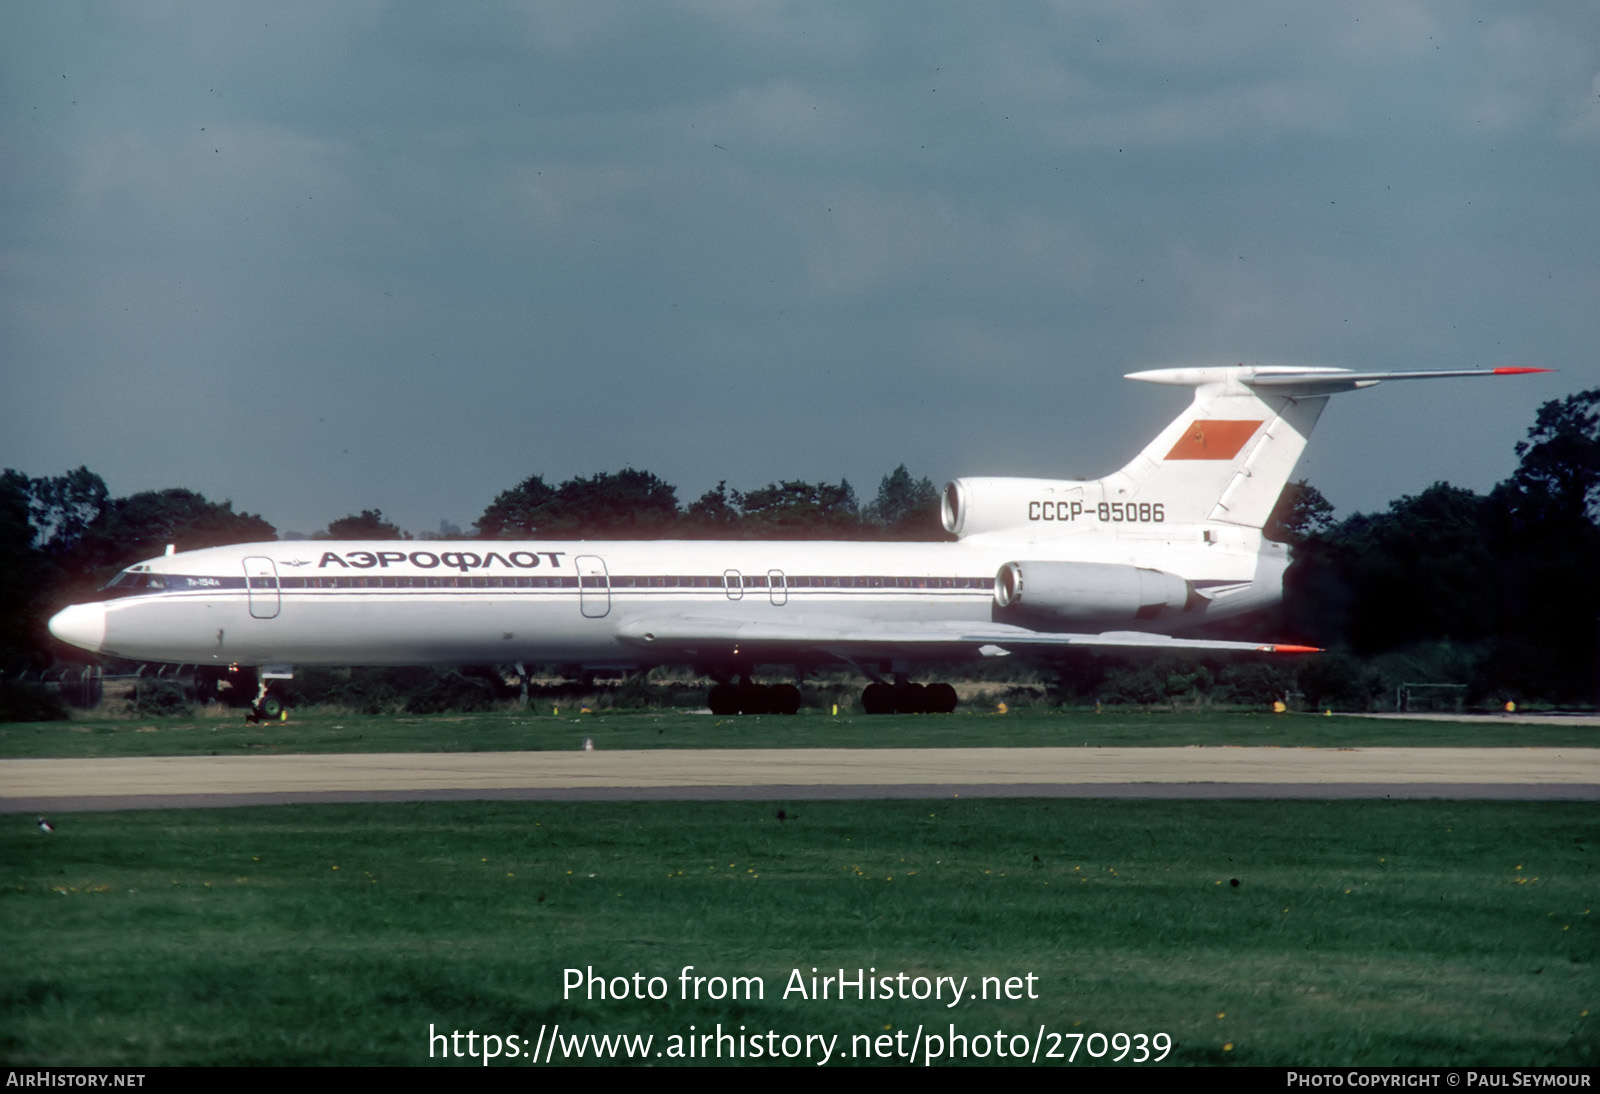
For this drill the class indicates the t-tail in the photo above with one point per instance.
(1223, 461)
(1227, 458)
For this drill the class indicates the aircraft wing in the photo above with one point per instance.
(849, 637)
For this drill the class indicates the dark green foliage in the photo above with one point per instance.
(416, 689)
(454, 691)
(44, 523)
(28, 702)
(23, 569)
(1254, 682)
(801, 510)
(368, 524)
(161, 699)
(713, 515)
(1301, 512)
(634, 504)
(1339, 681)
(907, 508)
(1508, 581)
(517, 512)
(1559, 476)
(1426, 569)
(629, 504)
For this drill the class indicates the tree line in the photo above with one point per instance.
(1500, 591)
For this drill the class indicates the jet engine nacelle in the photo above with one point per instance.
(1089, 592)
(971, 507)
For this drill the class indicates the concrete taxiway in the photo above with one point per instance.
(1220, 772)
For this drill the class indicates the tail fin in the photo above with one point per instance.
(1228, 456)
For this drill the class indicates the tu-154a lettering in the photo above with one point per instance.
(1139, 559)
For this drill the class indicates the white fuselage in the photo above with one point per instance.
(498, 602)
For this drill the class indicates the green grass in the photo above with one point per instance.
(321, 731)
(1367, 932)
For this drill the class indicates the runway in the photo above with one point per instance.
(786, 774)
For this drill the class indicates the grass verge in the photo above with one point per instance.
(1367, 932)
(504, 731)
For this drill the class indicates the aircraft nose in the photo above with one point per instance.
(83, 625)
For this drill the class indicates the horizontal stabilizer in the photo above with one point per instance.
(1315, 381)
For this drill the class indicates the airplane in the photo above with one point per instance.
(1135, 560)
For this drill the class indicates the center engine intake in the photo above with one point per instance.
(1088, 592)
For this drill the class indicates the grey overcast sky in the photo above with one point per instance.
(320, 257)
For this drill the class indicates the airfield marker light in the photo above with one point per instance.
(1511, 707)
(1278, 706)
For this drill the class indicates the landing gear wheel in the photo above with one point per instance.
(268, 708)
(877, 699)
(910, 699)
(941, 699)
(754, 699)
(784, 699)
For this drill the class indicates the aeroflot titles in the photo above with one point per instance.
(427, 560)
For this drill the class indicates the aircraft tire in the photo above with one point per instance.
(723, 699)
(911, 699)
(755, 699)
(877, 699)
(941, 699)
(270, 709)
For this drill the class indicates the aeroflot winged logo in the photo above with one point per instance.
(1213, 439)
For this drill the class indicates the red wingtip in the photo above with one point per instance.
(1518, 370)
(1289, 649)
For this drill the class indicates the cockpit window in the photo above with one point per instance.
(131, 583)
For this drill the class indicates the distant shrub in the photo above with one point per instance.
(452, 691)
(1253, 682)
(1340, 681)
(417, 689)
(161, 699)
(30, 703)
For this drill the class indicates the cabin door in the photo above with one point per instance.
(594, 586)
(261, 582)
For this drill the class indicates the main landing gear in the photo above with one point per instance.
(740, 695)
(904, 697)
